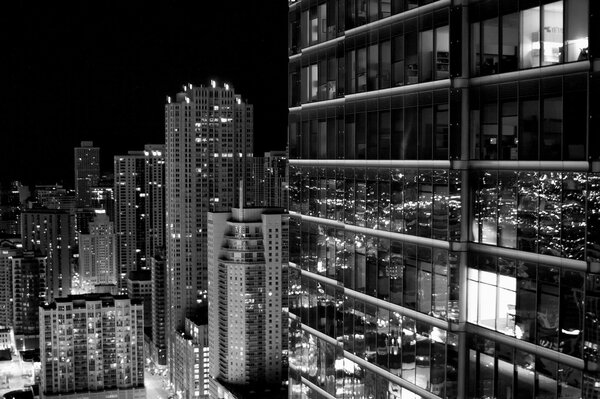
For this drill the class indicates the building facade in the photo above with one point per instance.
(268, 186)
(444, 196)
(208, 135)
(158, 271)
(8, 249)
(139, 286)
(97, 254)
(130, 213)
(190, 378)
(29, 291)
(51, 232)
(154, 183)
(247, 249)
(87, 172)
(91, 343)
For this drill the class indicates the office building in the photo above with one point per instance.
(247, 249)
(50, 231)
(29, 291)
(190, 378)
(87, 172)
(154, 190)
(92, 344)
(130, 214)
(444, 199)
(97, 254)
(209, 133)
(158, 347)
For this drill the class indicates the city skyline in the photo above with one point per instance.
(102, 74)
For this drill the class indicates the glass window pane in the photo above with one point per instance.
(530, 38)
(475, 49)
(361, 70)
(487, 306)
(385, 74)
(577, 30)
(552, 34)
(508, 144)
(489, 64)
(510, 43)
(552, 129)
(507, 209)
(373, 65)
(528, 132)
(442, 53)
(426, 54)
(486, 376)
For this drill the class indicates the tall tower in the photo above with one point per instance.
(98, 254)
(87, 172)
(29, 292)
(247, 252)
(444, 197)
(130, 214)
(154, 195)
(209, 133)
(51, 232)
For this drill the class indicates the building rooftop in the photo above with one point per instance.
(79, 301)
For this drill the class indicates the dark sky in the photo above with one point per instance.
(101, 70)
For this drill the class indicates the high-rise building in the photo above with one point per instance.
(158, 271)
(103, 196)
(209, 133)
(444, 196)
(267, 186)
(154, 190)
(92, 344)
(51, 232)
(12, 200)
(190, 378)
(247, 249)
(9, 248)
(139, 286)
(97, 254)
(130, 213)
(29, 291)
(87, 172)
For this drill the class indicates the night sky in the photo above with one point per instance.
(101, 71)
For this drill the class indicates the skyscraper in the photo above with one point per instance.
(87, 172)
(98, 254)
(159, 318)
(154, 195)
(29, 291)
(444, 199)
(51, 232)
(130, 213)
(8, 249)
(92, 343)
(209, 133)
(247, 249)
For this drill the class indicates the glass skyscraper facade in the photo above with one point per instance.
(444, 199)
